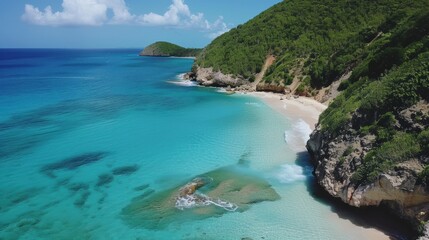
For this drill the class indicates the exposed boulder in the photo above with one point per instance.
(209, 77)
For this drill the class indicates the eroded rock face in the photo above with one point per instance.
(208, 77)
(336, 159)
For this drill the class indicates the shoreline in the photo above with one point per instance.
(293, 108)
(308, 110)
(300, 109)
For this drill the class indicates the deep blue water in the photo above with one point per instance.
(94, 144)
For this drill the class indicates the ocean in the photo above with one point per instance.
(104, 144)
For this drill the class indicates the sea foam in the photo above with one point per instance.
(289, 173)
(182, 81)
(298, 136)
(201, 200)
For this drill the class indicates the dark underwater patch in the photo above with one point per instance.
(81, 200)
(25, 131)
(104, 179)
(244, 159)
(73, 162)
(145, 194)
(142, 187)
(16, 197)
(125, 170)
(76, 187)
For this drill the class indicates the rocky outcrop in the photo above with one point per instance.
(208, 77)
(336, 159)
(266, 87)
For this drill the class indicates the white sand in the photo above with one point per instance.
(309, 110)
(303, 108)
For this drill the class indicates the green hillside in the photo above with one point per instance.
(166, 49)
(391, 76)
(321, 39)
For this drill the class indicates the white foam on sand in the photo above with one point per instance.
(298, 136)
(289, 173)
(253, 104)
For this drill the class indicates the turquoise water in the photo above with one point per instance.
(85, 134)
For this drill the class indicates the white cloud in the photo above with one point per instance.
(178, 15)
(94, 13)
(79, 12)
(219, 27)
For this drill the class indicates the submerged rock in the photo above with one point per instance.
(73, 162)
(208, 195)
(192, 187)
(76, 187)
(104, 179)
(81, 200)
(142, 187)
(125, 170)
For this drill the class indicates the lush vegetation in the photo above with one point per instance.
(167, 49)
(324, 38)
(390, 75)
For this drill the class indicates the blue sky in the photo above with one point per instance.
(120, 23)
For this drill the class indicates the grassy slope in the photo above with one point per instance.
(169, 49)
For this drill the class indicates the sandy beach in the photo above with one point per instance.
(293, 108)
(308, 110)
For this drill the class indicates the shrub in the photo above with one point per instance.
(385, 157)
(424, 176)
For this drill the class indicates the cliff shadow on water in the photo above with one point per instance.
(368, 217)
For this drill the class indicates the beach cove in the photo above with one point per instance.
(100, 145)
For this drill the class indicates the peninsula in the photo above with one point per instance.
(166, 49)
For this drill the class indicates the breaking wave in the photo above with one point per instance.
(182, 81)
(298, 136)
(201, 200)
(291, 173)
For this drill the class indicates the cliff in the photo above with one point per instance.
(165, 49)
(360, 170)
(371, 146)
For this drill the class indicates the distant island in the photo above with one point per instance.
(166, 49)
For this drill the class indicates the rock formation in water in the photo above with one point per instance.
(209, 195)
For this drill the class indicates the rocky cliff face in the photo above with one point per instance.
(208, 77)
(337, 158)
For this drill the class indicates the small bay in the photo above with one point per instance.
(100, 144)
